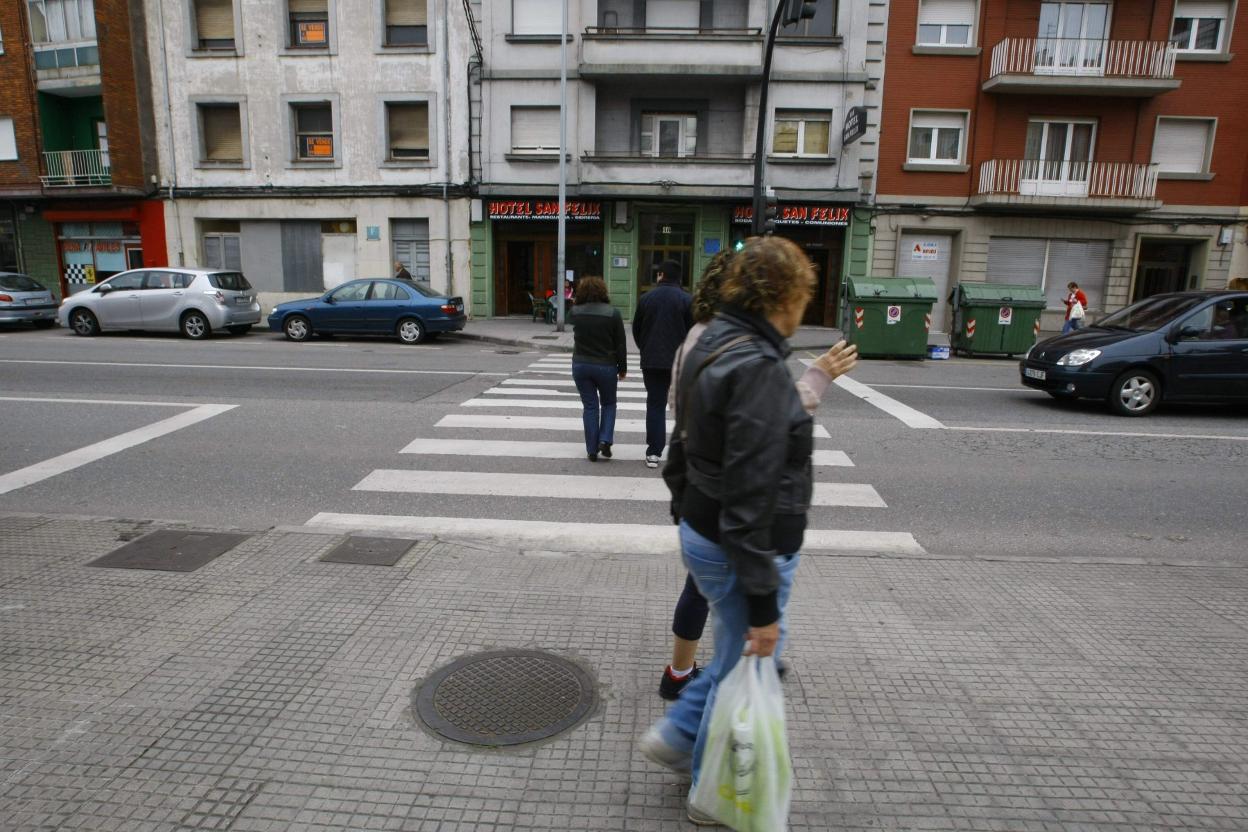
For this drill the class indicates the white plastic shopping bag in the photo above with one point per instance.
(747, 777)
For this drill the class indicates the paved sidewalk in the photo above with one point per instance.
(523, 332)
(271, 691)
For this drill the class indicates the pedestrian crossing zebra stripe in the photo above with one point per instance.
(563, 382)
(598, 538)
(564, 450)
(540, 391)
(546, 404)
(581, 487)
(554, 423)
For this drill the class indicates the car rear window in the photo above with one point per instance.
(422, 289)
(229, 281)
(19, 283)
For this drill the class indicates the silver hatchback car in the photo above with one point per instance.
(22, 300)
(191, 301)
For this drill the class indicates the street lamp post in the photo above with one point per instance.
(560, 256)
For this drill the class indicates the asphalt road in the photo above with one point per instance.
(1001, 471)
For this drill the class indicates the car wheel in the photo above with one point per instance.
(240, 329)
(411, 331)
(44, 324)
(195, 326)
(83, 322)
(1135, 393)
(297, 328)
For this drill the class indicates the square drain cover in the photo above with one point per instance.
(171, 551)
(369, 551)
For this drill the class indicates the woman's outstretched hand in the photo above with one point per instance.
(839, 359)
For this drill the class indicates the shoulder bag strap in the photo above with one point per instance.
(679, 428)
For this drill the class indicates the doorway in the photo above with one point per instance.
(1059, 158)
(1072, 38)
(664, 237)
(527, 265)
(1164, 266)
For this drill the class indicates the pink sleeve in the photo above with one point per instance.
(811, 387)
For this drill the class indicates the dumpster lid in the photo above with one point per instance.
(1005, 293)
(892, 288)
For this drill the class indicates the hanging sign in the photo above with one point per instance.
(536, 209)
(855, 125)
(797, 214)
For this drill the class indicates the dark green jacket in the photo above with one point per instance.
(598, 335)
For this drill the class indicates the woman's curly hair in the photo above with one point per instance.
(706, 299)
(767, 275)
(591, 290)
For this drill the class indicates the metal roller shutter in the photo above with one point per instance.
(915, 260)
(406, 13)
(214, 19)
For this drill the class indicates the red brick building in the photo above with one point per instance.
(1040, 142)
(77, 148)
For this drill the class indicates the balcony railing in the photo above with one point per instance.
(1070, 179)
(66, 55)
(76, 168)
(1131, 59)
(670, 32)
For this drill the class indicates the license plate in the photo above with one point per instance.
(36, 302)
(1038, 375)
(242, 301)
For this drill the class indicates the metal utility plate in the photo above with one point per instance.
(170, 551)
(369, 551)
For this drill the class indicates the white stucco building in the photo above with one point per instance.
(309, 142)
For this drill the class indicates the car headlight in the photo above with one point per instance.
(1077, 358)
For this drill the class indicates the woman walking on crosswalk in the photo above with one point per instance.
(599, 362)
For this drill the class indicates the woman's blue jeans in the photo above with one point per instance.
(597, 385)
(684, 726)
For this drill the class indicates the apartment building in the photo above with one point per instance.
(1036, 142)
(77, 156)
(309, 142)
(662, 106)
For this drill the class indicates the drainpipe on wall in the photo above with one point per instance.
(173, 149)
(446, 143)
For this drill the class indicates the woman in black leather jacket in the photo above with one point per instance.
(743, 510)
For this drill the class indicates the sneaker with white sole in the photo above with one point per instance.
(652, 460)
(655, 749)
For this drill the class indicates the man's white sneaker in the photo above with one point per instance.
(652, 461)
(655, 749)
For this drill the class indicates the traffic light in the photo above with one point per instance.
(798, 10)
(771, 211)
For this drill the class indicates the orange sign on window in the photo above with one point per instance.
(313, 32)
(320, 147)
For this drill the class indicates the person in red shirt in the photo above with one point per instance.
(1076, 307)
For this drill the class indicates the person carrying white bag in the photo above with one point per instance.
(740, 478)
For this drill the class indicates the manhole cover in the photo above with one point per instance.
(368, 551)
(170, 551)
(506, 697)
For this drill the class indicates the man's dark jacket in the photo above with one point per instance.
(663, 319)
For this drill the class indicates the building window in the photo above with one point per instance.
(222, 245)
(535, 130)
(221, 133)
(800, 133)
(936, 137)
(1050, 265)
(822, 25)
(536, 17)
(407, 129)
(673, 14)
(62, 21)
(309, 24)
(673, 135)
(407, 22)
(314, 131)
(946, 22)
(1199, 25)
(409, 242)
(1183, 145)
(8, 140)
(214, 24)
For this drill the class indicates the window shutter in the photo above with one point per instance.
(308, 6)
(232, 252)
(958, 12)
(1086, 262)
(406, 12)
(1018, 260)
(409, 126)
(223, 134)
(212, 252)
(1180, 145)
(536, 17)
(930, 118)
(673, 14)
(535, 128)
(1200, 8)
(214, 19)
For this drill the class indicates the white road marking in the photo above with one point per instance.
(370, 370)
(564, 382)
(546, 404)
(556, 423)
(598, 538)
(570, 486)
(562, 450)
(1019, 389)
(92, 401)
(538, 391)
(908, 415)
(107, 447)
(1077, 432)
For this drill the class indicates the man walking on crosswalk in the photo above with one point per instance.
(662, 320)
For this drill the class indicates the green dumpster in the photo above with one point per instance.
(996, 318)
(889, 317)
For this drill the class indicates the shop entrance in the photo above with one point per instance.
(527, 257)
(664, 237)
(1164, 266)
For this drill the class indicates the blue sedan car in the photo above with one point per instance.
(383, 306)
